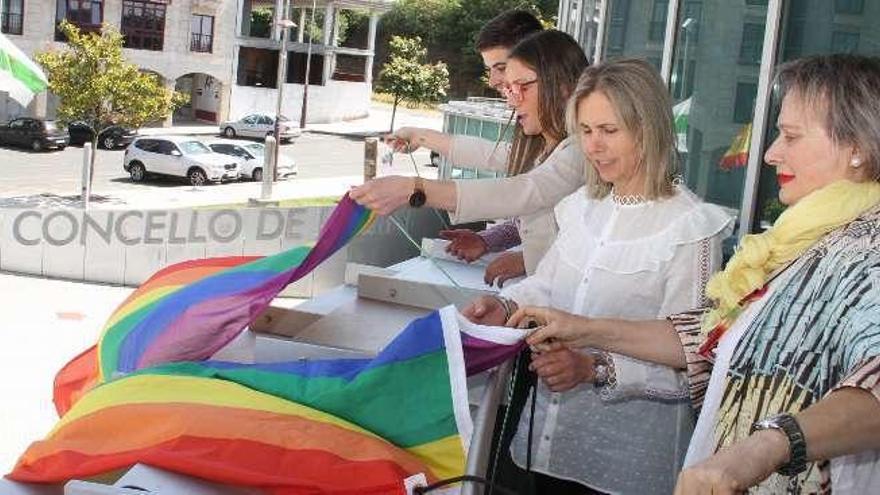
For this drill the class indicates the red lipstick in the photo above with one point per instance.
(784, 178)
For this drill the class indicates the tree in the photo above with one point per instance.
(449, 29)
(406, 76)
(97, 86)
(261, 22)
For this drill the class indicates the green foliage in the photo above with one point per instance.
(407, 77)
(449, 29)
(261, 22)
(772, 209)
(99, 87)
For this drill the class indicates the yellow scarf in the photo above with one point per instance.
(798, 228)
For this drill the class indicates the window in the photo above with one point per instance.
(617, 27)
(257, 67)
(202, 33)
(12, 16)
(657, 29)
(165, 147)
(87, 15)
(849, 6)
(744, 102)
(150, 145)
(844, 42)
(757, 2)
(694, 11)
(349, 68)
(143, 24)
(752, 43)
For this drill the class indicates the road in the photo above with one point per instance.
(26, 173)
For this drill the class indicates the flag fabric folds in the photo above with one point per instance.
(681, 112)
(19, 76)
(323, 426)
(149, 393)
(738, 153)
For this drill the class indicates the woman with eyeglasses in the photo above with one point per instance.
(632, 244)
(547, 65)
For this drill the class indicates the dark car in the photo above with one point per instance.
(36, 134)
(112, 137)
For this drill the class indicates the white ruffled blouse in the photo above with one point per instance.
(632, 261)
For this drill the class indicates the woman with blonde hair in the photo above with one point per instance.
(632, 244)
(784, 366)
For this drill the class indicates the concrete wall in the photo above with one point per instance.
(338, 100)
(128, 246)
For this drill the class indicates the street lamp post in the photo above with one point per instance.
(687, 26)
(305, 102)
(285, 25)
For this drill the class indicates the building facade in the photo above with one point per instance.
(718, 58)
(333, 40)
(223, 53)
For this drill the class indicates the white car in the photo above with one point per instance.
(259, 126)
(179, 157)
(250, 158)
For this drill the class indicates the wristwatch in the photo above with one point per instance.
(601, 371)
(797, 444)
(417, 198)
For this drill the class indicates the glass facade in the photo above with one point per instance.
(814, 27)
(717, 69)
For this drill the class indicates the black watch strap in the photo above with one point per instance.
(418, 198)
(797, 444)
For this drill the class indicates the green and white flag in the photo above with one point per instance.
(20, 77)
(681, 112)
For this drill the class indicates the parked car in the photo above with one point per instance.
(36, 134)
(259, 125)
(250, 158)
(110, 138)
(178, 157)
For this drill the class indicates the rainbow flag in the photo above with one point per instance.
(188, 311)
(738, 153)
(325, 426)
(149, 393)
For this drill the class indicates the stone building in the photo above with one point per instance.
(224, 53)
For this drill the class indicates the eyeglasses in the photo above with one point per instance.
(514, 91)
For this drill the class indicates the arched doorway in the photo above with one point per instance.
(205, 93)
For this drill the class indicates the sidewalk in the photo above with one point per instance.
(45, 324)
(376, 124)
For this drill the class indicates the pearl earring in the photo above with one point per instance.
(856, 162)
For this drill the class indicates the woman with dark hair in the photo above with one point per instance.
(784, 366)
(553, 61)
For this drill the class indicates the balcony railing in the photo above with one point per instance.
(201, 43)
(11, 23)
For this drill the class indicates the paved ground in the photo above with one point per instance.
(26, 174)
(44, 323)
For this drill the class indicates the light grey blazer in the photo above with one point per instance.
(530, 196)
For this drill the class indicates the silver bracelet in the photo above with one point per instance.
(507, 305)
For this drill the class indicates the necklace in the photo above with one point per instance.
(627, 199)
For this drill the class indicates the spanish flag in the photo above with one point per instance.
(738, 153)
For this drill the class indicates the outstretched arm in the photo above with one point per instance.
(651, 340)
